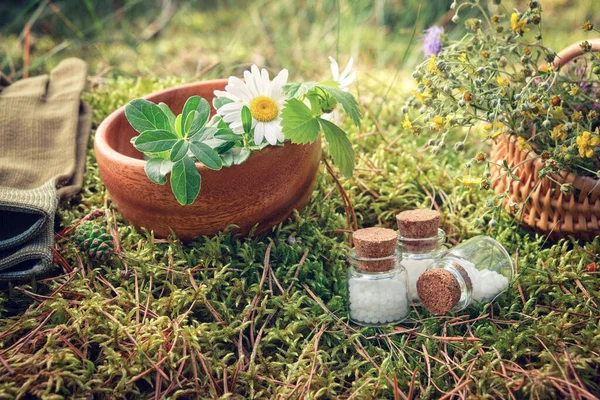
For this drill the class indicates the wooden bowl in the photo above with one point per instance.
(264, 190)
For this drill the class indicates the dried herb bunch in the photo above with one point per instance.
(499, 79)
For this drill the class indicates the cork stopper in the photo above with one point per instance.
(418, 224)
(375, 243)
(438, 290)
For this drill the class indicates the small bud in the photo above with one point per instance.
(453, 6)
(566, 188)
(546, 124)
(459, 146)
(497, 2)
(556, 100)
(585, 46)
(468, 165)
(493, 223)
(480, 157)
(456, 19)
(588, 26)
(536, 19)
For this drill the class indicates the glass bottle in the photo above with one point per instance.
(417, 255)
(477, 270)
(377, 290)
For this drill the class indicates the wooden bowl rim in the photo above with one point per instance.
(101, 144)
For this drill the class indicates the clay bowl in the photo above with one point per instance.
(264, 190)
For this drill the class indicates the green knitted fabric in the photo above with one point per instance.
(44, 130)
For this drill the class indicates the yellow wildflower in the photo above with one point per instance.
(574, 90)
(438, 122)
(559, 132)
(586, 142)
(502, 82)
(469, 181)
(421, 96)
(522, 145)
(406, 124)
(494, 130)
(432, 68)
(547, 68)
(463, 58)
(517, 25)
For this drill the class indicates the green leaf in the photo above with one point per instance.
(206, 155)
(227, 135)
(219, 102)
(179, 125)
(293, 89)
(347, 101)
(167, 111)
(157, 170)
(179, 150)
(143, 115)
(235, 156)
(510, 172)
(339, 147)
(225, 147)
(206, 135)
(298, 122)
(155, 141)
(246, 119)
(185, 181)
(192, 105)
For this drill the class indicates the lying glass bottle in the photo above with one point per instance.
(377, 290)
(478, 269)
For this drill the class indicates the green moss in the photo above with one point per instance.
(199, 314)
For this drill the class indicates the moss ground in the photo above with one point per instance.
(264, 316)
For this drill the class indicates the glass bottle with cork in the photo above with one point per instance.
(377, 291)
(477, 270)
(421, 242)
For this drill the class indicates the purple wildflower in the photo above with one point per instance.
(432, 40)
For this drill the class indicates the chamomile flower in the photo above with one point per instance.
(264, 98)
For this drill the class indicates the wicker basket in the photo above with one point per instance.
(544, 208)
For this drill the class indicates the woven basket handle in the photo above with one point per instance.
(573, 51)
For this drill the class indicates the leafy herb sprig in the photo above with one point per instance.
(172, 144)
(302, 123)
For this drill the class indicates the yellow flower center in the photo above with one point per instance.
(264, 109)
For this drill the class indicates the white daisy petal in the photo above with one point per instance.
(270, 134)
(266, 83)
(256, 78)
(335, 69)
(222, 93)
(347, 69)
(230, 108)
(278, 82)
(250, 83)
(345, 83)
(242, 94)
(232, 117)
(237, 127)
(259, 133)
(280, 136)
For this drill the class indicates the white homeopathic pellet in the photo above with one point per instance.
(486, 283)
(376, 301)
